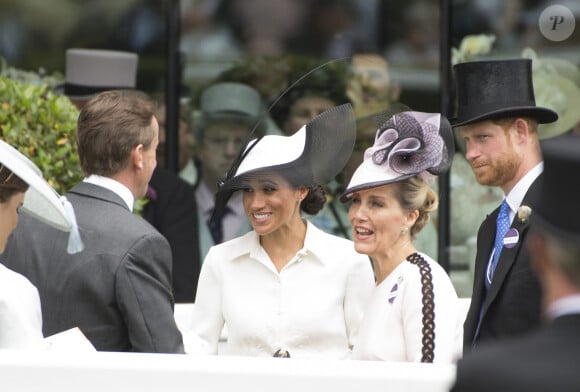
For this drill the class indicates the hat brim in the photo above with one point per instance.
(542, 115)
(312, 155)
(40, 200)
(541, 224)
(347, 195)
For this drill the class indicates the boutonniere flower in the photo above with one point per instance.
(524, 213)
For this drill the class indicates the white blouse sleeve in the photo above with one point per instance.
(20, 313)
(207, 320)
(359, 287)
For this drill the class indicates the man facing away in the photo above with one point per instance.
(498, 121)
(118, 290)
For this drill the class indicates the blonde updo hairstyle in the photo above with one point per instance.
(415, 194)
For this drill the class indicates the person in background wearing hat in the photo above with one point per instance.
(285, 289)
(413, 314)
(498, 119)
(118, 290)
(228, 113)
(317, 85)
(546, 359)
(91, 71)
(170, 204)
(22, 188)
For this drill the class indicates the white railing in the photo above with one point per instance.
(69, 370)
(111, 372)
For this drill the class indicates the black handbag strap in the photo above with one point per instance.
(428, 340)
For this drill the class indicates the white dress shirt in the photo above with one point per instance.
(311, 308)
(518, 192)
(20, 314)
(114, 186)
(391, 329)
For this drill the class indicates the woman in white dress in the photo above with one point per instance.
(23, 188)
(286, 289)
(413, 314)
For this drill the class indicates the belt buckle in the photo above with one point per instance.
(281, 354)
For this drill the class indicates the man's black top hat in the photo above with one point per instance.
(497, 89)
(559, 191)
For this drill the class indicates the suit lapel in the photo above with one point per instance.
(509, 255)
(486, 236)
(507, 258)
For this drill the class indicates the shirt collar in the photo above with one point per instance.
(114, 186)
(518, 192)
(313, 244)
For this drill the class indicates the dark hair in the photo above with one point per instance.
(109, 126)
(10, 184)
(314, 201)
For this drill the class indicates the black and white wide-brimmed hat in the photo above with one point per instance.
(312, 155)
(41, 200)
(409, 143)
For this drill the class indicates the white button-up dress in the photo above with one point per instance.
(312, 308)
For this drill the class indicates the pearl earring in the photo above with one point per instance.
(404, 230)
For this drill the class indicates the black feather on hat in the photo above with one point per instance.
(312, 155)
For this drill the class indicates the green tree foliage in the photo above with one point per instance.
(42, 125)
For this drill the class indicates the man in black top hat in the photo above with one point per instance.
(547, 359)
(498, 119)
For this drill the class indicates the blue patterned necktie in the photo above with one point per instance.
(502, 227)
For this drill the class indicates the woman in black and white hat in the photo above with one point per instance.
(412, 315)
(286, 289)
(22, 187)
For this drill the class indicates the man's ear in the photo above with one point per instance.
(522, 129)
(137, 156)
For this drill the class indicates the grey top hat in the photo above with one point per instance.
(230, 101)
(497, 89)
(90, 71)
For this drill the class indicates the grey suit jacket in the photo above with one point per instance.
(117, 290)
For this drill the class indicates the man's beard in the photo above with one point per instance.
(500, 171)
